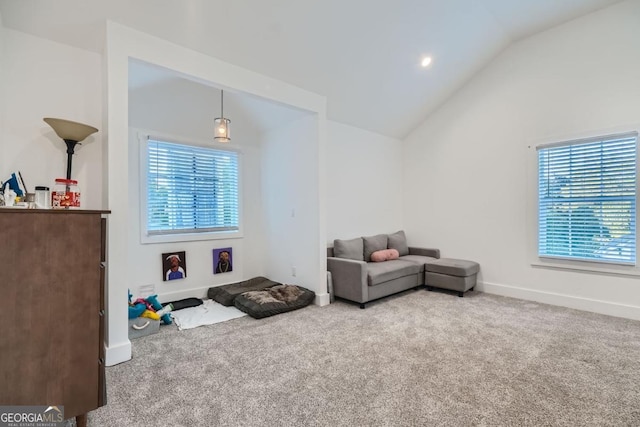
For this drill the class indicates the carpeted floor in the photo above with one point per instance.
(418, 358)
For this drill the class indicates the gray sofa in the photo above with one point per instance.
(356, 278)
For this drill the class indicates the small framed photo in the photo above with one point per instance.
(174, 266)
(222, 260)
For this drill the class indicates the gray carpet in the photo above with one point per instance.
(418, 358)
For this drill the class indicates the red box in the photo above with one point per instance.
(65, 199)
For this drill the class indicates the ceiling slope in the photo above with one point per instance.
(362, 55)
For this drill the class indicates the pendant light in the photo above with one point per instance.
(222, 133)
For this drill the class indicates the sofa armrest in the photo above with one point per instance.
(435, 253)
(349, 278)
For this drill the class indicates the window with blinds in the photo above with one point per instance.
(587, 199)
(191, 189)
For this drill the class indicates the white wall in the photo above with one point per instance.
(40, 79)
(290, 178)
(364, 183)
(185, 110)
(123, 44)
(468, 191)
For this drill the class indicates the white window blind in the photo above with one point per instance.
(587, 200)
(191, 189)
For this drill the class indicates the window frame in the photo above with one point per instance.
(567, 264)
(145, 238)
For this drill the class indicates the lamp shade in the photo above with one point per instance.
(72, 133)
(68, 130)
(222, 129)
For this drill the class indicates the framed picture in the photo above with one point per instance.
(222, 260)
(174, 266)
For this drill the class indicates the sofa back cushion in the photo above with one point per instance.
(398, 241)
(351, 249)
(374, 243)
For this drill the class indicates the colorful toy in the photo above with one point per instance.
(145, 302)
(150, 315)
(135, 310)
(153, 299)
(150, 308)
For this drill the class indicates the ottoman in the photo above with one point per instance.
(453, 274)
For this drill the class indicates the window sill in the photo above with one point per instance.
(587, 267)
(190, 237)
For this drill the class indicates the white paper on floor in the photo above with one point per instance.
(208, 313)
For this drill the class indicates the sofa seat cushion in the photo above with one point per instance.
(418, 259)
(380, 272)
(453, 267)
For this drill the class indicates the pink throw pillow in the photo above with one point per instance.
(393, 254)
(384, 255)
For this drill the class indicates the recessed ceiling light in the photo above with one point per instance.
(426, 61)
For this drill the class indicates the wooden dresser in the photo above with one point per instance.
(52, 309)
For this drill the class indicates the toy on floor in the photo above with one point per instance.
(150, 308)
(135, 310)
(162, 311)
(150, 315)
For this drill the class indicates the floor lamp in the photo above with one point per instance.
(71, 133)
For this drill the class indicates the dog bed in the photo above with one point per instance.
(274, 300)
(225, 294)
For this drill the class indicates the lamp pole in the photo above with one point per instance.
(71, 144)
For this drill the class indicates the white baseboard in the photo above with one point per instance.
(321, 299)
(578, 303)
(118, 353)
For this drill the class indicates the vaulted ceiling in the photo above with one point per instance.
(363, 55)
